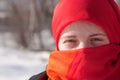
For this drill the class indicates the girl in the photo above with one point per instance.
(87, 36)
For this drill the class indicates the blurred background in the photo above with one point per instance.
(25, 37)
(27, 24)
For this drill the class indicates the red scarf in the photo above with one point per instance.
(99, 63)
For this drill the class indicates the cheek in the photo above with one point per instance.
(61, 46)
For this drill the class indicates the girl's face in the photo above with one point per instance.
(82, 35)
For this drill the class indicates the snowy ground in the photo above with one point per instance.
(21, 64)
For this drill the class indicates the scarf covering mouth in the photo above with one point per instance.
(99, 63)
(104, 13)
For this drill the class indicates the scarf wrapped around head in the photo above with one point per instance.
(104, 13)
(97, 63)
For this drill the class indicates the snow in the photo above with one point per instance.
(19, 64)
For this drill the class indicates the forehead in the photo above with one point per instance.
(83, 27)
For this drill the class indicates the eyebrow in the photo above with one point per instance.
(72, 36)
(69, 36)
(97, 34)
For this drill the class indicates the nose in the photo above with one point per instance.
(82, 44)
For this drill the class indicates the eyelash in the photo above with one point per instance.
(91, 40)
(96, 39)
(70, 40)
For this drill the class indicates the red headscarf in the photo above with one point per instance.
(97, 63)
(104, 13)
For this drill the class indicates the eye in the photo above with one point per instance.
(70, 43)
(97, 41)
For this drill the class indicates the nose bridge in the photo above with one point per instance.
(83, 44)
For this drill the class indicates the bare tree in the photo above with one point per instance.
(28, 18)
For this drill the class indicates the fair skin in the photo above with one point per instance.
(82, 35)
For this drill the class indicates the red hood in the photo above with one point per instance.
(104, 13)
